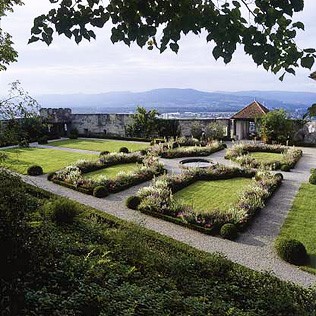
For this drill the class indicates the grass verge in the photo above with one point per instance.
(19, 159)
(99, 145)
(301, 222)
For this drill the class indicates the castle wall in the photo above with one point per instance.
(112, 124)
(101, 124)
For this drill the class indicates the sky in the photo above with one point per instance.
(99, 66)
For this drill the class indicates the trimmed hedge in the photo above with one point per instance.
(292, 251)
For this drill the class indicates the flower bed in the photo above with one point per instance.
(240, 153)
(158, 200)
(72, 176)
(172, 151)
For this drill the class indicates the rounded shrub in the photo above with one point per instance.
(124, 150)
(312, 178)
(280, 175)
(50, 176)
(143, 152)
(63, 211)
(100, 191)
(224, 145)
(285, 167)
(175, 145)
(34, 170)
(133, 202)
(229, 231)
(103, 153)
(292, 251)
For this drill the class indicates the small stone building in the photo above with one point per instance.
(244, 122)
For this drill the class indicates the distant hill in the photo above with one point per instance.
(177, 100)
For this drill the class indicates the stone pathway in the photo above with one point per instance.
(253, 249)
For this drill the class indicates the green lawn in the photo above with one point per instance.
(99, 145)
(267, 157)
(206, 196)
(49, 159)
(112, 172)
(301, 221)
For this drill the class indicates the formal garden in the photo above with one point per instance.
(70, 259)
(264, 156)
(110, 173)
(194, 198)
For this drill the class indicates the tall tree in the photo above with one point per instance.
(7, 52)
(265, 28)
(145, 123)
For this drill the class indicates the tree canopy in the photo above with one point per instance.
(7, 52)
(265, 28)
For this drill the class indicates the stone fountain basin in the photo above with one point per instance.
(195, 163)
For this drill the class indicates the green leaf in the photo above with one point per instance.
(33, 39)
(299, 25)
(217, 52)
(282, 77)
(307, 62)
(310, 50)
(174, 47)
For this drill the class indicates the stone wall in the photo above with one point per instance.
(101, 124)
(307, 134)
(112, 124)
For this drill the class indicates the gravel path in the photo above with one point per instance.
(253, 249)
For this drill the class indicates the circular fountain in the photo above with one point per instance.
(195, 163)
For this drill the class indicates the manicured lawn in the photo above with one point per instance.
(112, 172)
(301, 221)
(49, 159)
(99, 145)
(267, 157)
(205, 196)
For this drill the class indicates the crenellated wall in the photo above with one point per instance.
(111, 124)
(101, 124)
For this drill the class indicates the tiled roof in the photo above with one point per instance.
(251, 111)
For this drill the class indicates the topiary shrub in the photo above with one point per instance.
(285, 167)
(229, 231)
(34, 170)
(63, 211)
(124, 150)
(143, 152)
(105, 152)
(292, 251)
(50, 176)
(100, 191)
(73, 133)
(133, 201)
(224, 145)
(312, 178)
(42, 140)
(280, 175)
